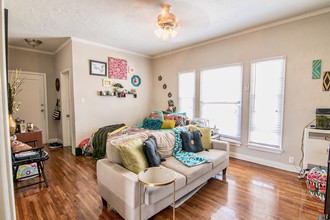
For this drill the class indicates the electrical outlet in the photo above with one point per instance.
(291, 159)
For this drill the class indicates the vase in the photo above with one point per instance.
(12, 125)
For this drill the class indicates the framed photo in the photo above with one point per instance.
(106, 82)
(97, 68)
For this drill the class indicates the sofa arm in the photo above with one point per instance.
(220, 145)
(120, 181)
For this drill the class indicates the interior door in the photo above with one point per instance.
(33, 106)
(65, 107)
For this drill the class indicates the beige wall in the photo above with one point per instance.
(63, 62)
(301, 42)
(41, 63)
(98, 111)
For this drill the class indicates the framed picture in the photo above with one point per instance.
(97, 68)
(106, 82)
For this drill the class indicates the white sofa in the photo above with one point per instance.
(119, 187)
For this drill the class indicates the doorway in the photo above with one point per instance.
(33, 98)
(66, 107)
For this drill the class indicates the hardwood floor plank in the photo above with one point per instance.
(248, 191)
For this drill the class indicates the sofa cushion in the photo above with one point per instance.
(191, 173)
(165, 142)
(168, 124)
(112, 144)
(216, 156)
(152, 123)
(206, 136)
(132, 156)
(150, 151)
(191, 141)
(154, 194)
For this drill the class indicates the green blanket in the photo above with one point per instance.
(100, 139)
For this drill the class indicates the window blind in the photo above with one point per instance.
(186, 99)
(221, 98)
(266, 102)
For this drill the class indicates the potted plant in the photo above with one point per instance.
(118, 88)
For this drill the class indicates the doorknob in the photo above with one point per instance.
(42, 110)
(42, 105)
(67, 116)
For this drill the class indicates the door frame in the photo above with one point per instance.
(43, 75)
(67, 71)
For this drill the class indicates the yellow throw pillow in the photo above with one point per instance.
(132, 156)
(206, 136)
(168, 124)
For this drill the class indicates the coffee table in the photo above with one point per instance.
(157, 176)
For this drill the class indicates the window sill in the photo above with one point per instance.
(232, 142)
(264, 148)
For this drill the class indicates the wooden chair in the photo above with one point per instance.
(28, 156)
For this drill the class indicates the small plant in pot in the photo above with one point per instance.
(118, 88)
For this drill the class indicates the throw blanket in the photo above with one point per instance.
(100, 139)
(187, 158)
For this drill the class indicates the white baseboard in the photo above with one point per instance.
(269, 163)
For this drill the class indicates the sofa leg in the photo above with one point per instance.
(224, 171)
(104, 202)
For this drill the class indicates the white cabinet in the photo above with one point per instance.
(316, 143)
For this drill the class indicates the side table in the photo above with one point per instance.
(157, 176)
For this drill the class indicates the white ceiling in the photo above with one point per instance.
(130, 24)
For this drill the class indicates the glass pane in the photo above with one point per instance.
(266, 110)
(226, 117)
(187, 105)
(222, 84)
(187, 93)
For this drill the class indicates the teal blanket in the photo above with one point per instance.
(187, 158)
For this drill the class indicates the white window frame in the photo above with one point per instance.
(260, 146)
(234, 140)
(194, 98)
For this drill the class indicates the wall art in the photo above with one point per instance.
(316, 73)
(97, 68)
(117, 68)
(164, 86)
(160, 78)
(136, 80)
(131, 69)
(326, 81)
(106, 82)
(169, 94)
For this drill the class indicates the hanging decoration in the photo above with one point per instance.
(117, 68)
(326, 81)
(316, 69)
(136, 80)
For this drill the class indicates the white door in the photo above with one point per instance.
(65, 107)
(33, 106)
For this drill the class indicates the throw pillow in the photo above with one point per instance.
(150, 151)
(165, 142)
(168, 124)
(157, 115)
(152, 124)
(169, 117)
(191, 141)
(114, 142)
(206, 136)
(131, 154)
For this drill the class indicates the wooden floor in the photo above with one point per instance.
(249, 191)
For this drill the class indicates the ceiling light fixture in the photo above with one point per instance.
(166, 23)
(33, 42)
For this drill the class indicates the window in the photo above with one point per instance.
(187, 93)
(266, 103)
(221, 99)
